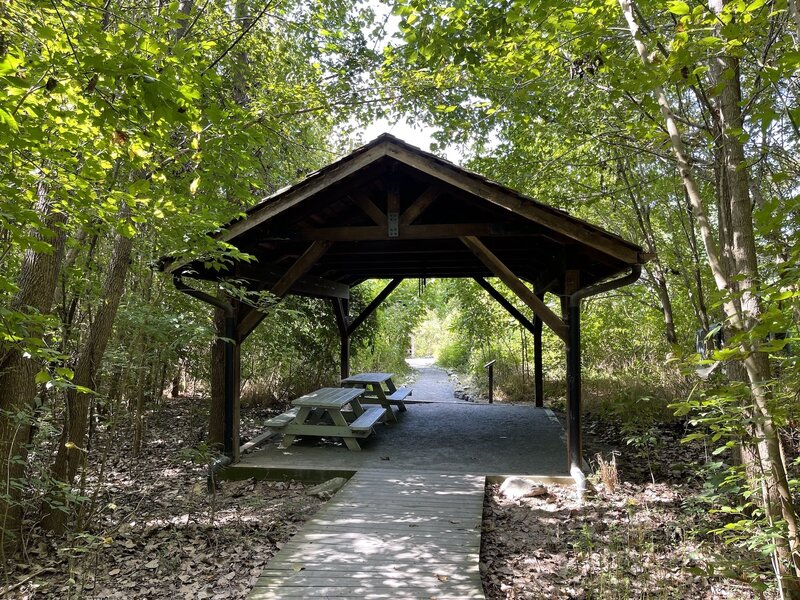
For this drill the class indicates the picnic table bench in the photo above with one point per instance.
(372, 384)
(324, 413)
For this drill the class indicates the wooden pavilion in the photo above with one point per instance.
(392, 211)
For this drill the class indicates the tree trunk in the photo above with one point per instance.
(73, 436)
(742, 313)
(138, 405)
(656, 270)
(691, 274)
(37, 284)
(795, 10)
(744, 262)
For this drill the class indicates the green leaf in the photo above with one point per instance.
(753, 6)
(676, 7)
(8, 120)
(11, 62)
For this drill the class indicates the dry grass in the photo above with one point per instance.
(607, 472)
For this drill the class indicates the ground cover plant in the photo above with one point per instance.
(645, 529)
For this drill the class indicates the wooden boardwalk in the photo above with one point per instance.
(386, 534)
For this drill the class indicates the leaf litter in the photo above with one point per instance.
(152, 535)
(639, 540)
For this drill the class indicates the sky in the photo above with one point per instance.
(420, 137)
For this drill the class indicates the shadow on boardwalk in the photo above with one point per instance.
(408, 522)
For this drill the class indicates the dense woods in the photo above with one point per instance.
(130, 131)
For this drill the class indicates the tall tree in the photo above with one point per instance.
(132, 119)
(18, 366)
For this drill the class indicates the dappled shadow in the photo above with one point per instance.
(151, 529)
(634, 543)
(386, 536)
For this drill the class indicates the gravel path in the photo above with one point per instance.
(431, 384)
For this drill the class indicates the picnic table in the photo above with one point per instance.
(374, 393)
(328, 412)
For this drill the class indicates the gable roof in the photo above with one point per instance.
(330, 197)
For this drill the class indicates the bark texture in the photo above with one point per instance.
(37, 284)
(71, 447)
(734, 265)
(741, 250)
(655, 269)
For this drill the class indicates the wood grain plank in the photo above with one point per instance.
(386, 535)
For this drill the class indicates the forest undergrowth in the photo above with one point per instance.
(643, 529)
(157, 532)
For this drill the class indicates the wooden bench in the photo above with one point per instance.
(397, 397)
(368, 419)
(282, 420)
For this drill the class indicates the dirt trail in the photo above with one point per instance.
(431, 383)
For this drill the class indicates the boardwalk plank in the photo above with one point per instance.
(386, 535)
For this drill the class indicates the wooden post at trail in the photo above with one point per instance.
(490, 368)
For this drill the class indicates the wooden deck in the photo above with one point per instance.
(386, 534)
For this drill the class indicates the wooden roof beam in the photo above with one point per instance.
(420, 205)
(515, 284)
(301, 266)
(384, 293)
(413, 232)
(550, 218)
(366, 204)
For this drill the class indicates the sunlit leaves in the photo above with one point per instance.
(677, 7)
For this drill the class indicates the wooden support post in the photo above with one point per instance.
(237, 400)
(384, 293)
(393, 209)
(341, 310)
(538, 371)
(300, 267)
(229, 385)
(516, 285)
(574, 441)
